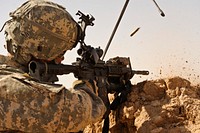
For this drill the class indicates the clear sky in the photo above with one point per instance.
(166, 46)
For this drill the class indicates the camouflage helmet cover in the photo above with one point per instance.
(40, 29)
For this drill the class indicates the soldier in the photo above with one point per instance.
(43, 31)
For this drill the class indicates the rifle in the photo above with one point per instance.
(118, 67)
(112, 76)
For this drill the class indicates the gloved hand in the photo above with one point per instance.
(86, 84)
(98, 87)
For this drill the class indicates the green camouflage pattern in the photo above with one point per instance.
(41, 29)
(29, 106)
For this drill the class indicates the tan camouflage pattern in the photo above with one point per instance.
(10, 61)
(41, 29)
(4, 59)
(29, 106)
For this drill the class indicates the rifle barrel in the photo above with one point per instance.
(140, 72)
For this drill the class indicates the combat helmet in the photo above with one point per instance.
(42, 30)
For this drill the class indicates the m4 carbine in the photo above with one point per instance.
(118, 67)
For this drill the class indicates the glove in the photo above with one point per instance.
(100, 91)
(98, 87)
(86, 84)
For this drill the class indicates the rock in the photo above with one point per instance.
(157, 106)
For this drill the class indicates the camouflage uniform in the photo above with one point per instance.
(42, 30)
(29, 106)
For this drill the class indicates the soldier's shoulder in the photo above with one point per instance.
(10, 75)
(3, 59)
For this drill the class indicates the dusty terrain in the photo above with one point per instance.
(157, 106)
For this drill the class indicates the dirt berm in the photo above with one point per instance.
(158, 106)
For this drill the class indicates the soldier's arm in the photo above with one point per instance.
(33, 107)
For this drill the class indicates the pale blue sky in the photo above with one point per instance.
(166, 46)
